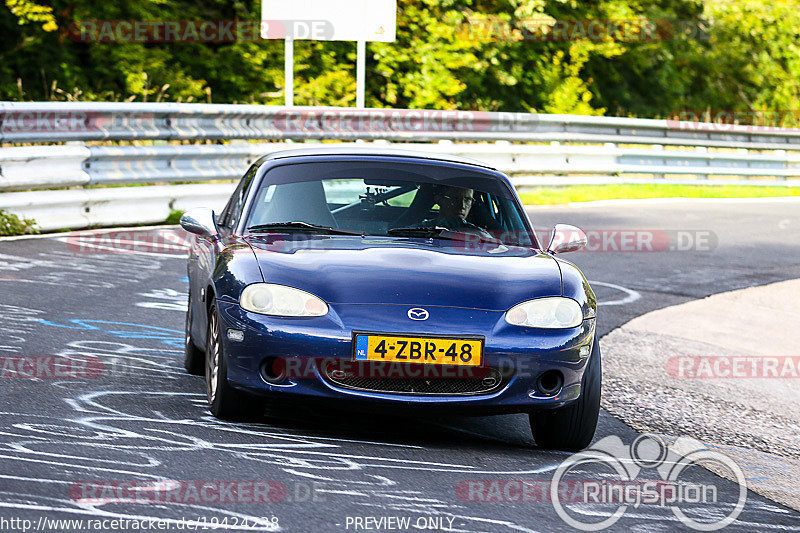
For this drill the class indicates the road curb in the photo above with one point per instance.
(749, 414)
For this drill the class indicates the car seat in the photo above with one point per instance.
(419, 209)
(297, 202)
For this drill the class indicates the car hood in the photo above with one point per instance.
(413, 272)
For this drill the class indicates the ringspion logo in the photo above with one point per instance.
(620, 486)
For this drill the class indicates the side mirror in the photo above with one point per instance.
(565, 239)
(200, 221)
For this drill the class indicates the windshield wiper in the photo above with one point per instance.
(301, 226)
(441, 233)
(417, 231)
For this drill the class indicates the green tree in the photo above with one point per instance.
(450, 54)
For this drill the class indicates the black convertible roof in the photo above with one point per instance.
(376, 151)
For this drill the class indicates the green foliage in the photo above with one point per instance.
(449, 54)
(11, 224)
(174, 217)
(27, 11)
(754, 54)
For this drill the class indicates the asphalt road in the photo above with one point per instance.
(142, 419)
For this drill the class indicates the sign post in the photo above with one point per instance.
(361, 73)
(288, 71)
(329, 20)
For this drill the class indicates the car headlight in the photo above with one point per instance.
(280, 300)
(554, 313)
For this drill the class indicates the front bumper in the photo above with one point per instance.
(521, 354)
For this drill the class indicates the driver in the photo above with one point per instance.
(454, 206)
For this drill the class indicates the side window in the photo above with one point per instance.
(233, 211)
(224, 217)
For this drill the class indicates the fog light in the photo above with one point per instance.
(273, 370)
(584, 352)
(550, 383)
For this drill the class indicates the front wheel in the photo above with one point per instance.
(224, 401)
(572, 428)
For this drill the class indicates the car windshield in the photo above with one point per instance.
(388, 199)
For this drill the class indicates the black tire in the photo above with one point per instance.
(572, 428)
(224, 401)
(194, 359)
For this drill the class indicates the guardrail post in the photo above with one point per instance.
(702, 149)
(658, 147)
(782, 155)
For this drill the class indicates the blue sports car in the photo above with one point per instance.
(391, 280)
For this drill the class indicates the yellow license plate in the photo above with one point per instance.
(419, 350)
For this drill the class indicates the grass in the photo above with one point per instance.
(174, 217)
(587, 193)
(11, 224)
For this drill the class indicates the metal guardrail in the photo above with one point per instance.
(665, 148)
(41, 122)
(109, 165)
(42, 167)
(35, 167)
(115, 206)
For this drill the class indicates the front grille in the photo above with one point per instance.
(483, 381)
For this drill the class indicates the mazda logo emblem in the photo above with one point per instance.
(418, 313)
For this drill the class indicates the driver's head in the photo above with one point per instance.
(454, 201)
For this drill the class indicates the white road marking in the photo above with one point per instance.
(632, 295)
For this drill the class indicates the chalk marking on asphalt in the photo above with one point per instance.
(643, 515)
(344, 492)
(632, 295)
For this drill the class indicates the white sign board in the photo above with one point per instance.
(350, 20)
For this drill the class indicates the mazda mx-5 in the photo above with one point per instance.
(390, 280)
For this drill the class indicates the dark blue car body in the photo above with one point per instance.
(370, 284)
